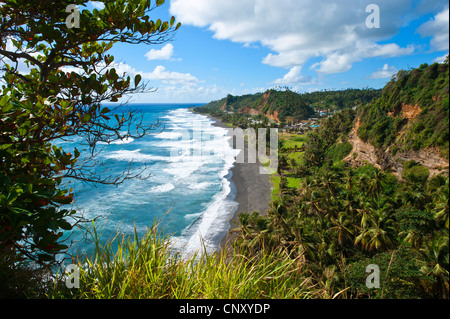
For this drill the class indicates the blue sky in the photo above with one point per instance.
(247, 46)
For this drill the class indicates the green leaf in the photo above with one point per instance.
(108, 46)
(158, 24)
(165, 26)
(22, 211)
(65, 200)
(137, 79)
(4, 100)
(64, 225)
(5, 146)
(53, 79)
(87, 117)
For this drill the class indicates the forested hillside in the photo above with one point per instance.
(287, 106)
(338, 210)
(275, 105)
(412, 113)
(340, 99)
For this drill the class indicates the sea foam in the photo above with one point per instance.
(189, 191)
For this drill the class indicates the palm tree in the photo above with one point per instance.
(363, 183)
(343, 226)
(376, 180)
(441, 208)
(348, 179)
(377, 231)
(315, 202)
(329, 181)
(435, 262)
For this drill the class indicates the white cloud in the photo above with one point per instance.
(293, 77)
(298, 30)
(186, 92)
(161, 74)
(438, 29)
(385, 72)
(441, 59)
(342, 61)
(165, 53)
(171, 86)
(98, 5)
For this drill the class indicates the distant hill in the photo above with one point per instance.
(278, 106)
(288, 106)
(341, 99)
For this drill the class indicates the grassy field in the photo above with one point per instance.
(292, 150)
(291, 140)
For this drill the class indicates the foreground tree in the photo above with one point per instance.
(55, 74)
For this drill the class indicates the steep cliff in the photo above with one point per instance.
(409, 123)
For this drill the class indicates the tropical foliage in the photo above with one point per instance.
(290, 107)
(130, 267)
(282, 103)
(54, 78)
(341, 219)
(424, 89)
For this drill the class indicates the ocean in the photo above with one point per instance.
(189, 192)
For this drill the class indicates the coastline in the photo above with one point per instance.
(253, 190)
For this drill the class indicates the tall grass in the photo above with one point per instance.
(147, 267)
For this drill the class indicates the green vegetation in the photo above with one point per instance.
(424, 90)
(278, 104)
(141, 268)
(59, 96)
(288, 106)
(327, 223)
(338, 152)
(340, 219)
(415, 173)
(341, 99)
(320, 146)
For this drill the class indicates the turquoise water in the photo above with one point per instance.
(189, 191)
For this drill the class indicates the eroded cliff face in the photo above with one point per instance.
(429, 158)
(362, 152)
(251, 111)
(407, 111)
(365, 153)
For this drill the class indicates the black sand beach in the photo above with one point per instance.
(253, 190)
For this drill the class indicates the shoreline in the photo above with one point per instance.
(253, 190)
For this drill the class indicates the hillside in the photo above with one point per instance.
(340, 99)
(408, 123)
(286, 106)
(368, 187)
(277, 106)
(412, 113)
